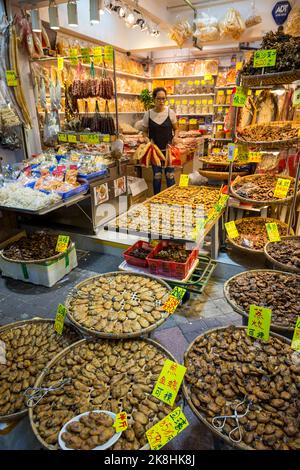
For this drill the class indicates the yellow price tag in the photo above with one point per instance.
(210, 101)
(62, 137)
(254, 157)
(238, 66)
(85, 52)
(106, 138)
(60, 63)
(178, 102)
(231, 229)
(83, 138)
(282, 188)
(177, 82)
(60, 319)
(272, 231)
(204, 101)
(190, 82)
(221, 92)
(199, 102)
(169, 382)
(11, 78)
(178, 292)
(93, 139)
(108, 53)
(97, 53)
(208, 77)
(73, 56)
(166, 429)
(203, 82)
(172, 101)
(197, 82)
(184, 101)
(182, 121)
(296, 337)
(184, 181)
(121, 422)
(192, 102)
(193, 121)
(171, 304)
(62, 243)
(220, 109)
(259, 322)
(72, 138)
(258, 92)
(240, 97)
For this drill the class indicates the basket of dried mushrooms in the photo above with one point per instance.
(26, 347)
(253, 234)
(243, 390)
(276, 290)
(285, 254)
(118, 305)
(108, 375)
(259, 189)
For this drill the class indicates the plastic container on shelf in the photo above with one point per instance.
(142, 263)
(160, 267)
(80, 189)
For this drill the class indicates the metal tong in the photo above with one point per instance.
(35, 394)
(235, 416)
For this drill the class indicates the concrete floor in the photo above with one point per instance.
(21, 301)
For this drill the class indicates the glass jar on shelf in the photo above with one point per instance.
(191, 106)
(221, 98)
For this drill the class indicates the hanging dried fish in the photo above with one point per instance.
(266, 107)
(247, 113)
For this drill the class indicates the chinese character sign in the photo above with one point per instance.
(121, 423)
(168, 382)
(273, 233)
(178, 292)
(282, 188)
(166, 429)
(171, 304)
(259, 322)
(60, 319)
(62, 243)
(296, 337)
(265, 58)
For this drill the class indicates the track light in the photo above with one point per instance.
(53, 15)
(122, 11)
(94, 12)
(130, 18)
(72, 13)
(36, 21)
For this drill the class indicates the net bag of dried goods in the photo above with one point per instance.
(180, 32)
(207, 28)
(232, 26)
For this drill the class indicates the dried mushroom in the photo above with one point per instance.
(118, 303)
(286, 252)
(121, 377)
(253, 233)
(280, 292)
(259, 187)
(27, 350)
(90, 431)
(226, 367)
(35, 246)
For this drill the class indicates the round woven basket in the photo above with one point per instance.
(186, 391)
(220, 175)
(11, 326)
(222, 164)
(282, 330)
(92, 333)
(270, 202)
(36, 261)
(276, 263)
(251, 251)
(274, 78)
(42, 376)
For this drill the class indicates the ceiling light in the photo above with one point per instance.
(36, 21)
(130, 18)
(94, 12)
(155, 32)
(53, 15)
(72, 13)
(101, 10)
(122, 11)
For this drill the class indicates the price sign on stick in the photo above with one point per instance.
(62, 243)
(231, 229)
(254, 157)
(240, 97)
(60, 63)
(272, 231)
(97, 53)
(73, 57)
(184, 181)
(282, 188)
(85, 52)
(232, 152)
(265, 58)
(168, 382)
(259, 322)
(166, 429)
(60, 319)
(296, 337)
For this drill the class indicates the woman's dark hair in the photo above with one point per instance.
(157, 90)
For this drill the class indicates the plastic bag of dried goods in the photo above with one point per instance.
(254, 18)
(292, 25)
(180, 32)
(207, 28)
(232, 26)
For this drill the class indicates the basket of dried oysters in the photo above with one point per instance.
(246, 391)
(118, 305)
(26, 347)
(106, 375)
(276, 290)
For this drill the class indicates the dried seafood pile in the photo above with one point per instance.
(225, 367)
(93, 87)
(116, 377)
(191, 195)
(35, 246)
(280, 292)
(28, 349)
(90, 431)
(253, 233)
(286, 252)
(269, 133)
(259, 187)
(118, 304)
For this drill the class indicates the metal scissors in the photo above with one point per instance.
(35, 394)
(235, 416)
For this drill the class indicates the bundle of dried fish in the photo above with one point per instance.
(259, 188)
(118, 304)
(28, 347)
(226, 367)
(286, 252)
(118, 376)
(246, 114)
(280, 292)
(266, 108)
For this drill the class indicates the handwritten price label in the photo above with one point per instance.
(72, 138)
(184, 181)
(272, 231)
(60, 319)
(240, 97)
(168, 382)
(166, 429)
(62, 137)
(231, 229)
(265, 58)
(62, 243)
(282, 188)
(60, 63)
(259, 322)
(296, 337)
(11, 78)
(121, 423)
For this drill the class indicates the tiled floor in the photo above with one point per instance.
(20, 301)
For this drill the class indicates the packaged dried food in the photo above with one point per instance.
(207, 28)
(292, 26)
(232, 25)
(180, 32)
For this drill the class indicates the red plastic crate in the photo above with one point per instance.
(160, 267)
(141, 263)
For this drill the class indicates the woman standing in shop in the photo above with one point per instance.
(160, 126)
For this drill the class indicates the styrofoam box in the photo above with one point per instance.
(45, 274)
